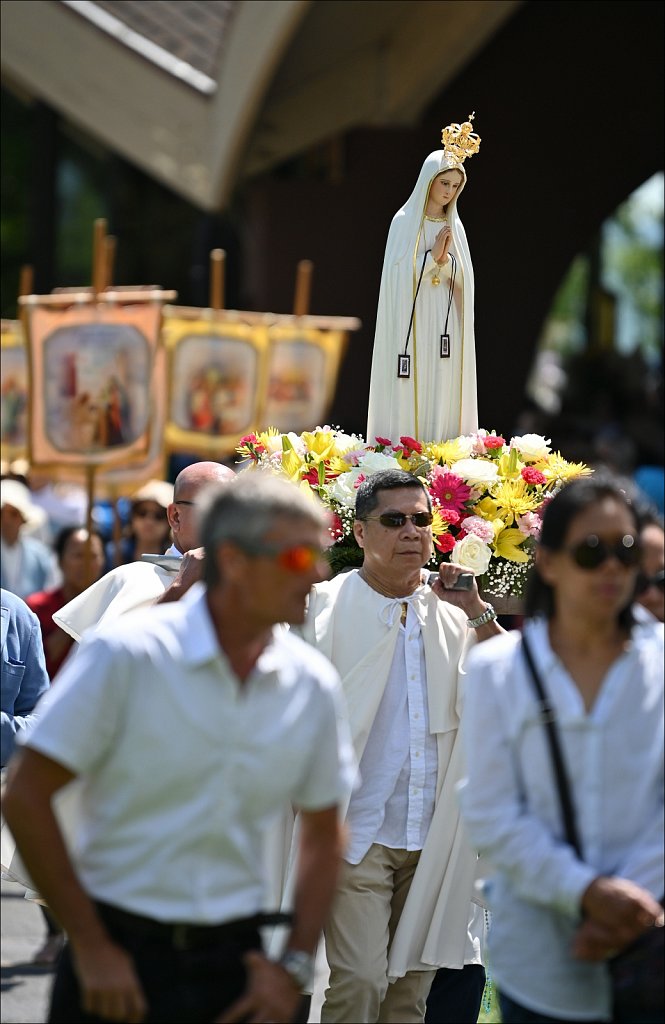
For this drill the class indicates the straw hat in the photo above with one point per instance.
(158, 491)
(16, 495)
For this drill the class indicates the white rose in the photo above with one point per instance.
(476, 471)
(374, 462)
(472, 553)
(343, 489)
(274, 443)
(532, 447)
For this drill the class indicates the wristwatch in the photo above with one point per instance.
(299, 966)
(488, 615)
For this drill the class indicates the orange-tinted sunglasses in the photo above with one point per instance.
(299, 558)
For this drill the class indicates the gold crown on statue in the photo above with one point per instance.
(460, 141)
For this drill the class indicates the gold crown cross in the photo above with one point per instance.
(460, 141)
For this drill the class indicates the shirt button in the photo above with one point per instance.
(416, 715)
(417, 753)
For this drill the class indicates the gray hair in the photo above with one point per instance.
(244, 512)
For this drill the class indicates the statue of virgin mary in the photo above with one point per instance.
(423, 380)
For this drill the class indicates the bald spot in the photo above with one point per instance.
(193, 478)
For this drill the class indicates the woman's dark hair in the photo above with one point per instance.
(571, 500)
(367, 496)
(62, 539)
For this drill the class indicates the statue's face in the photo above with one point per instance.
(445, 187)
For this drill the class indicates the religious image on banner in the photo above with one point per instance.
(303, 369)
(216, 373)
(92, 370)
(13, 391)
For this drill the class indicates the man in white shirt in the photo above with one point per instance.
(137, 585)
(190, 727)
(403, 906)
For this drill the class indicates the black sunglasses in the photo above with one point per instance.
(645, 582)
(593, 551)
(395, 520)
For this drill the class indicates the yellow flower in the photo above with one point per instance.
(292, 465)
(338, 465)
(513, 496)
(510, 465)
(439, 524)
(489, 510)
(508, 545)
(444, 453)
(321, 443)
(266, 436)
(557, 469)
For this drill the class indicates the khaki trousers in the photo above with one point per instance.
(368, 904)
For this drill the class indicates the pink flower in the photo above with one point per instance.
(358, 480)
(449, 515)
(492, 441)
(529, 524)
(479, 527)
(444, 542)
(448, 490)
(533, 476)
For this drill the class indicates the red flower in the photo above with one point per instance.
(445, 542)
(385, 441)
(410, 444)
(448, 490)
(491, 441)
(312, 476)
(335, 527)
(533, 476)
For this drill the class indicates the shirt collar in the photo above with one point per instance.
(200, 643)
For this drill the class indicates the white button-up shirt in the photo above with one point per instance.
(614, 759)
(394, 802)
(182, 768)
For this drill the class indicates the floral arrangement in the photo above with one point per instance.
(487, 494)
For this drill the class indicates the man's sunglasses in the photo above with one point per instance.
(645, 582)
(299, 558)
(395, 520)
(593, 551)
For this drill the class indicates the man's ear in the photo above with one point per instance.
(359, 532)
(173, 516)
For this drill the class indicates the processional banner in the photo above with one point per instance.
(13, 392)
(216, 382)
(94, 372)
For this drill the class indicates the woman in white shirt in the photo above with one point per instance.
(558, 917)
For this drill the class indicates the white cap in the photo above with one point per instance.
(17, 495)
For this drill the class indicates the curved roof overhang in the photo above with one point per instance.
(286, 75)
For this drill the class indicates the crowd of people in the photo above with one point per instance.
(268, 758)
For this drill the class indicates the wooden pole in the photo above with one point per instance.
(26, 279)
(98, 254)
(90, 490)
(217, 266)
(110, 246)
(303, 287)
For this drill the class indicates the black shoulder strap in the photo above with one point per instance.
(563, 785)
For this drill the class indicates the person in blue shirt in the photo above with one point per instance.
(24, 677)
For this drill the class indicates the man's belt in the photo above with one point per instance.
(185, 935)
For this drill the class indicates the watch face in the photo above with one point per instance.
(299, 965)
